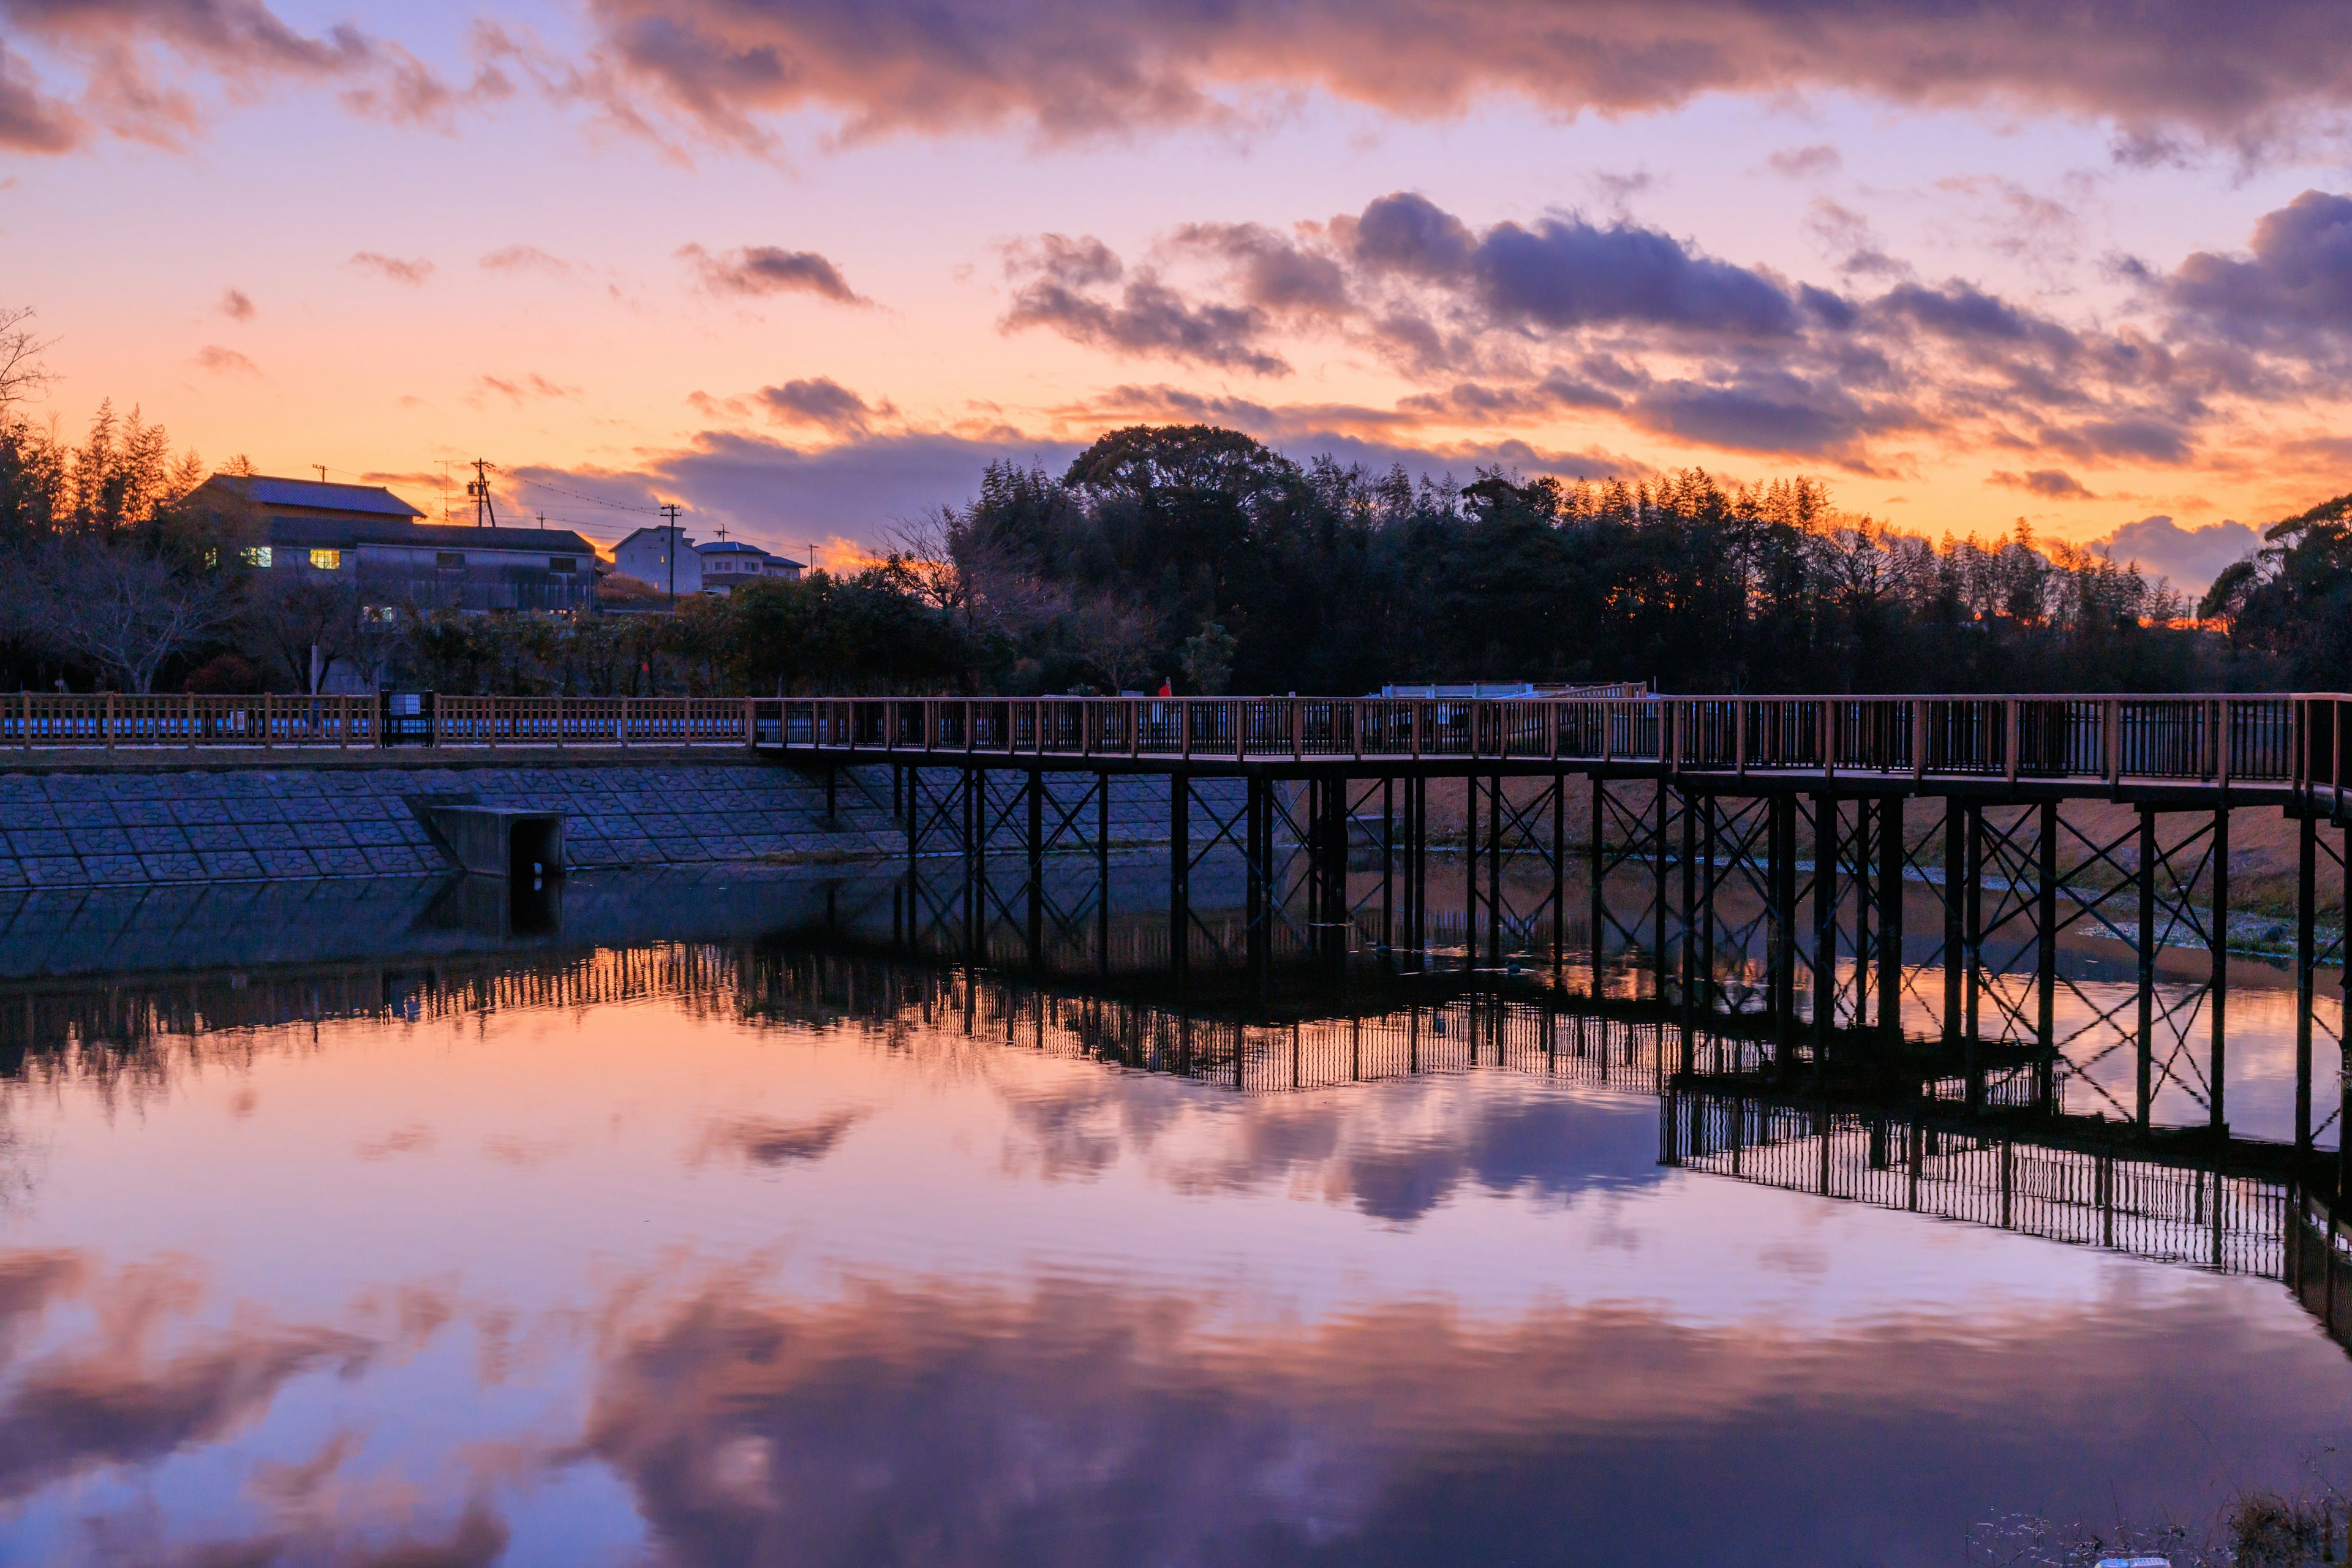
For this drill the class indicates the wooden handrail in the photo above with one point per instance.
(2233, 742)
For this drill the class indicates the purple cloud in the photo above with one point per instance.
(1065, 71)
(397, 271)
(2051, 484)
(765, 269)
(2192, 557)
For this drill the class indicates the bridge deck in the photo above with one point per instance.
(2281, 748)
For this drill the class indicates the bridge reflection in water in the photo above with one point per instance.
(1979, 1127)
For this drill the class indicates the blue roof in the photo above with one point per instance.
(371, 499)
(727, 547)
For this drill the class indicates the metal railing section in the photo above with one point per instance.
(2272, 739)
(2294, 740)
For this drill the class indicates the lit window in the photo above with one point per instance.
(257, 556)
(326, 560)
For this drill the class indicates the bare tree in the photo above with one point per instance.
(304, 621)
(23, 376)
(122, 607)
(1116, 638)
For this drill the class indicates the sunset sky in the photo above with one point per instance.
(805, 267)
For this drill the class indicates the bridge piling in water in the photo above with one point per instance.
(1784, 840)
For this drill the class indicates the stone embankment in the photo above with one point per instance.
(79, 822)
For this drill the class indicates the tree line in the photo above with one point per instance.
(1186, 556)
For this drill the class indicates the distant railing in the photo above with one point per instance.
(191, 722)
(2274, 740)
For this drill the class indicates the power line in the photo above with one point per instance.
(575, 495)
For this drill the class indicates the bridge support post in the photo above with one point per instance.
(1037, 847)
(2344, 1073)
(975, 862)
(1690, 906)
(1784, 915)
(1972, 954)
(1180, 874)
(1707, 997)
(2046, 958)
(1255, 828)
(1417, 876)
(1559, 872)
(2147, 979)
(1102, 873)
(2306, 887)
(2218, 1063)
(1494, 868)
(1660, 803)
(1956, 876)
(1890, 915)
(1388, 866)
(1339, 929)
(1596, 875)
(1470, 871)
(1825, 905)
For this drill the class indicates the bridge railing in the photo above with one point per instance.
(2272, 739)
(36, 719)
(2294, 740)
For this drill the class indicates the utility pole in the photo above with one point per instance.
(669, 511)
(322, 471)
(478, 487)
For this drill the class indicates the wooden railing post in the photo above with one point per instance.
(2009, 735)
(1739, 735)
(2113, 722)
(1918, 739)
(2222, 738)
(1828, 738)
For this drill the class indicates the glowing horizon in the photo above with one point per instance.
(806, 271)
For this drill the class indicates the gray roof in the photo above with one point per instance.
(737, 547)
(267, 489)
(349, 532)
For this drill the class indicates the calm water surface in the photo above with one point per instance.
(561, 1250)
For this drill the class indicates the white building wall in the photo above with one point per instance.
(645, 555)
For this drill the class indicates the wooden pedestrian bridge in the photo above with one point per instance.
(2268, 748)
(2257, 748)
